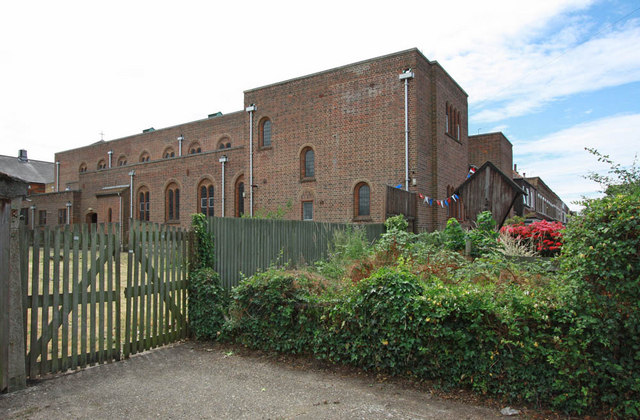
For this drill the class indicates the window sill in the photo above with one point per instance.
(172, 222)
(308, 179)
(453, 138)
(362, 219)
(260, 148)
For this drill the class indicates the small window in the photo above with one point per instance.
(168, 153)
(122, 160)
(62, 216)
(362, 200)
(42, 217)
(102, 164)
(239, 197)
(143, 204)
(225, 143)
(265, 133)
(205, 198)
(83, 168)
(144, 157)
(307, 163)
(307, 210)
(195, 148)
(172, 203)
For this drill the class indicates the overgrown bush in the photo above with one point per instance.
(484, 237)
(207, 304)
(454, 236)
(275, 310)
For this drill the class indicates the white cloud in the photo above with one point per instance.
(515, 81)
(561, 161)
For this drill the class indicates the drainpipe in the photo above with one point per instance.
(406, 75)
(110, 153)
(68, 212)
(251, 109)
(224, 159)
(120, 218)
(57, 175)
(33, 216)
(131, 175)
(180, 139)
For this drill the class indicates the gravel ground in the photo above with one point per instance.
(199, 380)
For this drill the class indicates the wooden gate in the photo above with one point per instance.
(74, 282)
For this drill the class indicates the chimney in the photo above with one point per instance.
(22, 155)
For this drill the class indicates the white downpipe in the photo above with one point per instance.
(120, 218)
(131, 175)
(223, 162)
(57, 175)
(406, 134)
(251, 109)
(406, 75)
(180, 139)
(110, 153)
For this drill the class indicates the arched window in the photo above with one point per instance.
(110, 215)
(83, 168)
(362, 198)
(168, 153)
(195, 148)
(239, 197)
(144, 157)
(265, 132)
(307, 163)
(205, 198)
(102, 164)
(143, 204)
(122, 160)
(225, 143)
(172, 202)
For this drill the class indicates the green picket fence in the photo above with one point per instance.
(244, 246)
(75, 282)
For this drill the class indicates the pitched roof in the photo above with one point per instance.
(35, 171)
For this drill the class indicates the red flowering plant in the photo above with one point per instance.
(545, 236)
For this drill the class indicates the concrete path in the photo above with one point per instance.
(198, 381)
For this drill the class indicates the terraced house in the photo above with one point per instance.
(331, 146)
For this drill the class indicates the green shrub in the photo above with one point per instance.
(484, 238)
(207, 304)
(204, 255)
(275, 310)
(454, 236)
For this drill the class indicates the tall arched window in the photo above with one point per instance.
(307, 163)
(265, 132)
(172, 202)
(362, 196)
(205, 198)
(143, 204)
(239, 197)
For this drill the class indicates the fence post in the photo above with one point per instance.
(13, 375)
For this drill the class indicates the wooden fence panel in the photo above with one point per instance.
(246, 246)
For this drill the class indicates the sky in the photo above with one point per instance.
(555, 76)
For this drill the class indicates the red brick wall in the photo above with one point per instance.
(493, 147)
(353, 118)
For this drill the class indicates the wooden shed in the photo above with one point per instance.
(489, 189)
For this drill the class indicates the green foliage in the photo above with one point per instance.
(207, 303)
(515, 220)
(454, 236)
(204, 255)
(484, 238)
(396, 223)
(620, 180)
(346, 247)
(277, 214)
(274, 310)
(601, 257)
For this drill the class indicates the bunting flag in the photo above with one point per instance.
(399, 186)
(442, 203)
(472, 171)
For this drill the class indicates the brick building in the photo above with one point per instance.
(321, 147)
